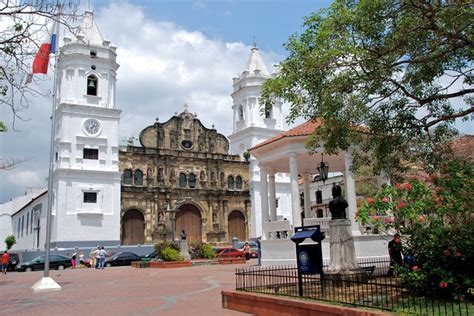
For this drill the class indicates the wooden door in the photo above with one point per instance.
(236, 225)
(133, 228)
(188, 218)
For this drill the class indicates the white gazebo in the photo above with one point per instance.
(286, 152)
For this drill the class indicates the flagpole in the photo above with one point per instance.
(47, 283)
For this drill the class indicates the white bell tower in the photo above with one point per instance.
(251, 127)
(86, 186)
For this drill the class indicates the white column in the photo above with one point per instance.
(295, 194)
(351, 193)
(272, 192)
(264, 198)
(307, 200)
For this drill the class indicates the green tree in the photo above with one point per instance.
(10, 241)
(389, 76)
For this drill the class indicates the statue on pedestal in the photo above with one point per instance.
(342, 251)
(338, 205)
(183, 246)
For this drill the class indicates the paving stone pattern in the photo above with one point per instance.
(121, 291)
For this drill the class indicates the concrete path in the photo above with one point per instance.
(121, 291)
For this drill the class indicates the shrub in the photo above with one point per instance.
(10, 241)
(207, 251)
(435, 217)
(167, 244)
(195, 249)
(171, 254)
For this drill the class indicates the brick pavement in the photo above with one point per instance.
(121, 291)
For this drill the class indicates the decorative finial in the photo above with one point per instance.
(213, 127)
(254, 42)
(157, 119)
(175, 112)
(195, 114)
(186, 107)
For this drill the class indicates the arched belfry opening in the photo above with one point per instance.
(92, 85)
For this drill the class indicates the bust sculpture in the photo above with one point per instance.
(338, 205)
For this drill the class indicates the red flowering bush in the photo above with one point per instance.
(435, 218)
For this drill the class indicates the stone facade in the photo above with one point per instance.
(182, 177)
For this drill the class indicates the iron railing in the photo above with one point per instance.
(376, 290)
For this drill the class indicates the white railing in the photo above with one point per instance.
(278, 229)
(322, 222)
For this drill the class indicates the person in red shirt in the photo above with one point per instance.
(5, 259)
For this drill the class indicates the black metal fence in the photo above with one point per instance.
(376, 290)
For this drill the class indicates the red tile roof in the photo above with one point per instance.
(304, 129)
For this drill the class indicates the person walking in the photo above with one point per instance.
(247, 251)
(97, 258)
(5, 260)
(395, 253)
(102, 254)
(73, 259)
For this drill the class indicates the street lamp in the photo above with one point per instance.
(323, 169)
(172, 212)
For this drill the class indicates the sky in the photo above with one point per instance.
(170, 52)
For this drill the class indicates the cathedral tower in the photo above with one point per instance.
(86, 186)
(251, 127)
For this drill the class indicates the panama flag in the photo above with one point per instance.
(48, 46)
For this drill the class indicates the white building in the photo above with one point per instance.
(86, 186)
(250, 127)
(21, 217)
(29, 223)
(86, 179)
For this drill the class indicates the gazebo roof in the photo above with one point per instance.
(304, 129)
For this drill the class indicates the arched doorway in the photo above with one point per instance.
(236, 225)
(133, 228)
(188, 218)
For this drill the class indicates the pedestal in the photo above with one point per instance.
(46, 284)
(342, 251)
(184, 251)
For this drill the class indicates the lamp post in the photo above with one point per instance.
(323, 169)
(171, 212)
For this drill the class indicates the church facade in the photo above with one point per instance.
(183, 178)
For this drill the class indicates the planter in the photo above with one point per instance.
(140, 264)
(231, 260)
(170, 264)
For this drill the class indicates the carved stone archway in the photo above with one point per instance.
(236, 225)
(133, 228)
(188, 217)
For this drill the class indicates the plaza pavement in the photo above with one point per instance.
(121, 291)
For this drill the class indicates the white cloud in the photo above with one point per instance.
(162, 66)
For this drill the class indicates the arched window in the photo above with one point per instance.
(230, 182)
(241, 113)
(238, 183)
(138, 177)
(192, 181)
(92, 82)
(127, 176)
(182, 180)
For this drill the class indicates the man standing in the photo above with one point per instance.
(102, 254)
(5, 260)
(395, 252)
